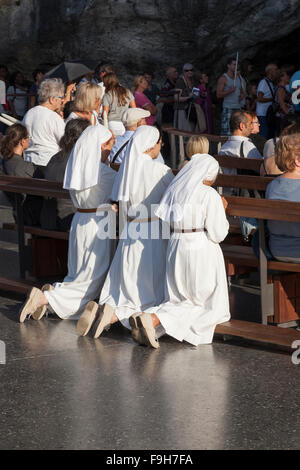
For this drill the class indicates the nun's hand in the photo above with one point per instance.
(225, 203)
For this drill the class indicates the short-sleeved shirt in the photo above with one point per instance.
(45, 128)
(20, 102)
(264, 88)
(116, 110)
(284, 236)
(141, 101)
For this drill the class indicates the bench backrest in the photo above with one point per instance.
(228, 161)
(237, 206)
(210, 137)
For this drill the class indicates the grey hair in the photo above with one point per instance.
(269, 67)
(50, 87)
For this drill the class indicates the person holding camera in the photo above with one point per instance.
(183, 100)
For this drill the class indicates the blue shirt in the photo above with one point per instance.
(295, 77)
(284, 236)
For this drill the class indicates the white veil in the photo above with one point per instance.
(201, 167)
(84, 164)
(144, 138)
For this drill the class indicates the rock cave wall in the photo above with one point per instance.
(138, 34)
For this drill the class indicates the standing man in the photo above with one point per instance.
(152, 91)
(265, 97)
(232, 94)
(167, 96)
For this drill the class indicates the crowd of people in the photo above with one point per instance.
(169, 227)
(185, 100)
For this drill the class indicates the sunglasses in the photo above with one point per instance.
(189, 70)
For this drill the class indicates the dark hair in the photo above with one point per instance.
(73, 130)
(244, 66)
(111, 83)
(230, 60)
(68, 108)
(14, 76)
(35, 73)
(236, 118)
(107, 68)
(149, 73)
(14, 135)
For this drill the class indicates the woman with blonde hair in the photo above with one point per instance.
(87, 103)
(197, 145)
(116, 101)
(139, 86)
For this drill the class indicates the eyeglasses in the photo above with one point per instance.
(59, 97)
(189, 70)
(255, 122)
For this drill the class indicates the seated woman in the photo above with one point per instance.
(284, 240)
(196, 293)
(269, 167)
(57, 214)
(86, 104)
(12, 146)
(116, 101)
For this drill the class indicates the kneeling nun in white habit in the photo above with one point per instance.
(135, 280)
(89, 181)
(196, 282)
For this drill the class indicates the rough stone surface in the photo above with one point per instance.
(137, 34)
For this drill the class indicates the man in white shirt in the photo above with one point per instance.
(239, 144)
(265, 97)
(132, 119)
(44, 124)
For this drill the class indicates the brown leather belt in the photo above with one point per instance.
(86, 211)
(187, 230)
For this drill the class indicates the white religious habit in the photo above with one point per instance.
(89, 182)
(135, 280)
(196, 283)
(121, 140)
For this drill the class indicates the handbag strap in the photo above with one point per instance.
(119, 151)
(271, 89)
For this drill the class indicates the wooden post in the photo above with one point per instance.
(181, 149)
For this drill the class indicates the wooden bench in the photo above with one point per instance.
(247, 207)
(36, 187)
(283, 339)
(262, 209)
(238, 163)
(177, 133)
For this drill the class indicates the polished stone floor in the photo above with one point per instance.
(58, 391)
